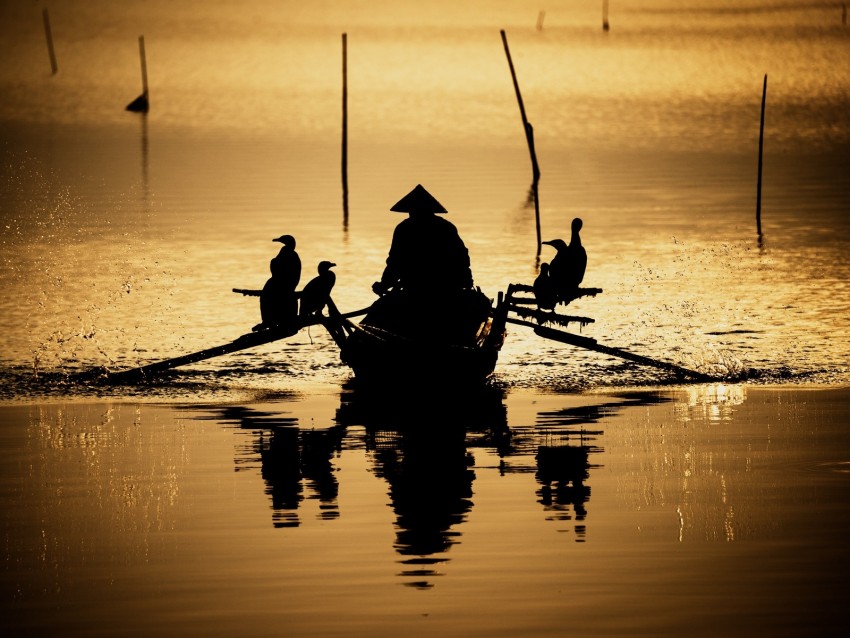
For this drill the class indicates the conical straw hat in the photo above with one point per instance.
(418, 201)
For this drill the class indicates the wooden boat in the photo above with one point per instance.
(403, 341)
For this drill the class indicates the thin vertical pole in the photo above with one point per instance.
(142, 103)
(144, 63)
(529, 136)
(49, 35)
(345, 128)
(761, 153)
(605, 25)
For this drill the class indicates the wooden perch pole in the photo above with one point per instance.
(529, 136)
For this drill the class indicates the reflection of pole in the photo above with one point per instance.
(145, 179)
(345, 129)
(49, 35)
(761, 152)
(529, 136)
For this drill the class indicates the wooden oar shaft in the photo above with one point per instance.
(591, 344)
(249, 340)
(241, 343)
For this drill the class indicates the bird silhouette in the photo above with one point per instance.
(286, 265)
(278, 301)
(568, 266)
(544, 292)
(317, 291)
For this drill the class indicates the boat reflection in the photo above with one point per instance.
(430, 489)
(424, 448)
(419, 444)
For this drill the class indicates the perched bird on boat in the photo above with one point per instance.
(286, 266)
(317, 291)
(278, 301)
(544, 292)
(568, 266)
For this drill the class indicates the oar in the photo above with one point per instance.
(249, 340)
(591, 344)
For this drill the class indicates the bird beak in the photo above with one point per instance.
(548, 242)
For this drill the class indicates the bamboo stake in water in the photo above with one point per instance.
(761, 153)
(540, 17)
(49, 35)
(605, 25)
(529, 137)
(345, 129)
(142, 103)
(144, 63)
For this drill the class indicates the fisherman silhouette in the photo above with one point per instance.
(317, 291)
(426, 286)
(278, 299)
(427, 255)
(567, 268)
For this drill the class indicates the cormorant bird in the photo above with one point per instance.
(544, 291)
(569, 264)
(286, 266)
(317, 291)
(278, 301)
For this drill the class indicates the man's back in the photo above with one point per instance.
(427, 253)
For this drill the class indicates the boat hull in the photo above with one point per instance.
(393, 346)
(379, 357)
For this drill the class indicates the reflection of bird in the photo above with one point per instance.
(569, 264)
(544, 291)
(317, 291)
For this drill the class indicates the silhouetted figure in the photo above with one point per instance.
(278, 299)
(544, 291)
(427, 255)
(567, 268)
(317, 291)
